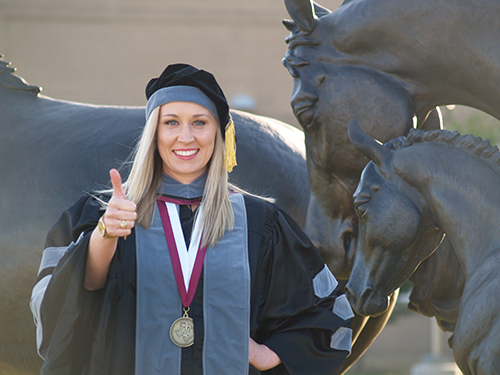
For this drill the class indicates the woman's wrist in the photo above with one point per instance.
(262, 357)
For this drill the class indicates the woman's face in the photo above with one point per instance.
(186, 139)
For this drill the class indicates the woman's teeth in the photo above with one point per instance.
(186, 153)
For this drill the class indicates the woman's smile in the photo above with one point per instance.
(185, 154)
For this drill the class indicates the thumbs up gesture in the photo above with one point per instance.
(120, 214)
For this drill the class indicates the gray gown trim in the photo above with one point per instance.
(342, 339)
(226, 301)
(324, 283)
(50, 258)
(171, 186)
(342, 308)
(35, 305)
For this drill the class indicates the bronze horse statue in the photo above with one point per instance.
(389, 64)
(53, 151)
(417, 189)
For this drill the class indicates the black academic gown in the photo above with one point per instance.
(94, 332)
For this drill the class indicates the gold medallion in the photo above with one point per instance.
(182, 332)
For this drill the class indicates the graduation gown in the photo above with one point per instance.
(84, 332)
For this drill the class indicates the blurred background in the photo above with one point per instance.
(105, 51)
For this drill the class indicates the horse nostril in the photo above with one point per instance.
(366, 293)
(347, 242)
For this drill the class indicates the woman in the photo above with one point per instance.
(175, 273)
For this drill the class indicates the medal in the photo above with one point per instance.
(187, 266)
(182, 331)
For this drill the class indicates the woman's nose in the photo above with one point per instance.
(186, 134)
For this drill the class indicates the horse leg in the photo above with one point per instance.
(485, 357)
(476, 347)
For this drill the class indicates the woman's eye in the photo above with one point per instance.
(171, 122)
(199, 122)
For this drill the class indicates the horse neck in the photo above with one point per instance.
(462, 194)
(442, 52)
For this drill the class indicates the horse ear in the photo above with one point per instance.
(368, 146)
(320, 11)
(289, 24)
(302, 13)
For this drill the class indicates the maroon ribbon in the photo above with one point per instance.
(186, 298)
(182, 202)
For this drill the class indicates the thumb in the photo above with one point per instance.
(116, 181)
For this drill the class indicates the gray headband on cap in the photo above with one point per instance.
(189, 94)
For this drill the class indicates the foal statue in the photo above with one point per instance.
(419, 188)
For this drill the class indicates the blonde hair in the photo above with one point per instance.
(147, 172)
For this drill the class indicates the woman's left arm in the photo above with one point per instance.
(303, 315)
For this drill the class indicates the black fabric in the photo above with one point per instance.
(192, 357)
(187, 75)
(187, 221)
(94, 332)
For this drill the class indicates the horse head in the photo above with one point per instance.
(328, 92)
(396, 231)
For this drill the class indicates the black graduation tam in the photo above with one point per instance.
(187, 75)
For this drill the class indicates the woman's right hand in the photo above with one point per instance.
(119, 219)
(120, 214)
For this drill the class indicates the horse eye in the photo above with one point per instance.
(321, 80)
(361, 211)
(361, 208)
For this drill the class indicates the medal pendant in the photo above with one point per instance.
(182, 331)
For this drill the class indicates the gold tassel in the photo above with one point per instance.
(230, 141)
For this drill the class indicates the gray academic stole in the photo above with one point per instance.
(226, 301)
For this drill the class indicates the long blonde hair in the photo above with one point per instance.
(146, 175)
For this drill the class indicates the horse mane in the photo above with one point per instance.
(13, 82)
(300, 38)
(473, 145)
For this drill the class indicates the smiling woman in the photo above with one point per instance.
(174, 271)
